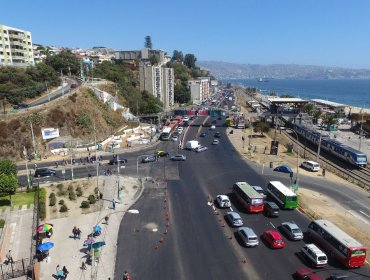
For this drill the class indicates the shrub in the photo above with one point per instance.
(70, 188)
(72, 195)
(60, 187)
(52, 195)
(79, 191)
(92, 199)
(63, 208)
(2, 223)
(96, 190)
(42, 204)
(61, 193)
(61, 202)
(85, 204)
(52, 201)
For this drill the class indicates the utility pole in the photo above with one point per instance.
(28, 174)
(319, 146)
(33, 140)
(72, 177)
(362, 120)
(47, 90)
(96, 159)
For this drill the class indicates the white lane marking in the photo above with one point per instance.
(231, 208)
(272, 225)
(363, 213)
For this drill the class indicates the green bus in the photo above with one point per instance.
(283, 195)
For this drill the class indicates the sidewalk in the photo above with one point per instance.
(71, 253)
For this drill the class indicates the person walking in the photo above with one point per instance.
(65, 272)
(114, 204)
(323, 172)
(291, 177)
(59, 272)
(78, 233)
(126, 276)
(74, 232)
(106, 218)
(9, 257)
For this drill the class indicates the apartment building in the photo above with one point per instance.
(15, 47)
(199, 90)
(159, 81)
(143, 55)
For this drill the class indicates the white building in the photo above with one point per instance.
(15, 47)
(158, 81)
(199, 90)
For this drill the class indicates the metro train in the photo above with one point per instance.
(334, 147)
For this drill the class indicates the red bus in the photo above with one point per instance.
(337, 243)
(248, 197)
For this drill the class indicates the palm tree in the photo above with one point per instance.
(309, 109)
(316, 115)
(330, 120)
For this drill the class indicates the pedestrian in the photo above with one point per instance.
(35, 166)
(83, 266)
(65, 272)
(74, 232)
(114, 204)
(126, 276)
(9, 257)
(106, 218)
(78, 233)
(59, 272)
(291, 176)
(323, 172)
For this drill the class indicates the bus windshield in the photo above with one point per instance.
(256, 201)
(291, 198)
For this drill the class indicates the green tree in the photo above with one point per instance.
(177, 56)
(190, 60)
(330, 119)
(316, 115)
(309, 108)
(8, 185)
(153, 60)
(65, 62)
(148, 42)
(182, 94)
(8, 167)
(262, 128)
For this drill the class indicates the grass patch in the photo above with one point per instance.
(24, 198)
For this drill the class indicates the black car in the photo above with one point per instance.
(21, 106)
(114, 161)
(217, 134)
(162, 154)
(44, 172)
(203, 134)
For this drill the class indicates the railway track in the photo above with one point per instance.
(344, 170)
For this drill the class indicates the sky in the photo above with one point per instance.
(317, 32)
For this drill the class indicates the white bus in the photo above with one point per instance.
(282, 194)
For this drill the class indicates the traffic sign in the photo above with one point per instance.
(295, 187)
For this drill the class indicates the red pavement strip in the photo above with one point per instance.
(4, 244)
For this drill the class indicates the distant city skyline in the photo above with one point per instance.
(326, 33)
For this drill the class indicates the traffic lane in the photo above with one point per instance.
(262, 223)
(139, 250)
(205, 251)
(219, 180)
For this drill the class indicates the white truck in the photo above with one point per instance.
(190, 145)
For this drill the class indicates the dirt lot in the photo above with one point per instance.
(313, 203)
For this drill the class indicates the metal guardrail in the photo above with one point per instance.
(10, 270)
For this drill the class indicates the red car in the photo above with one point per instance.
(306, 274)
(274, 239)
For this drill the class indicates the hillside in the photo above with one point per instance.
(225, 70)
(73, 116)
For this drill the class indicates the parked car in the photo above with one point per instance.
(292, 231)
(271, 209)
(215, 142)
(260, 190)
(306, 274)
(21, 106)
(44, 172)
(200, 149)
(180, 129)
(150, 158)
(273, 239)
(178, 157)
(162, 153)
(223, 201)
(248, 237)
(341, 277)
(174, 138)
(185, 119)
(114, 161)
(234, 219)
(213, 127)
(311, 165)
(283, 168)
(203, 134)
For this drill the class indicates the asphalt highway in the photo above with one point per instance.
(199, 244)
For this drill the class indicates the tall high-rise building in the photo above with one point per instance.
(199, 90)
(159, 81)
(15, 47)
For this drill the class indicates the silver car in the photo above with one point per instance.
(248, 237)
(178, 158)
(234, 219)
(200, 149)
(292, 230)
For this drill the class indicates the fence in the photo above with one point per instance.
(14, 269)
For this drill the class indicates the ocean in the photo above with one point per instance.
(354, 93)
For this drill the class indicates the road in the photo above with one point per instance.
(199, 244)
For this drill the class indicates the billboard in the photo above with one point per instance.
(49, 133)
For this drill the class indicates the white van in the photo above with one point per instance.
(311, 165)
(190, 145)
(315, 256)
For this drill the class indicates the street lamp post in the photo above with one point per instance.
(297, 176)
